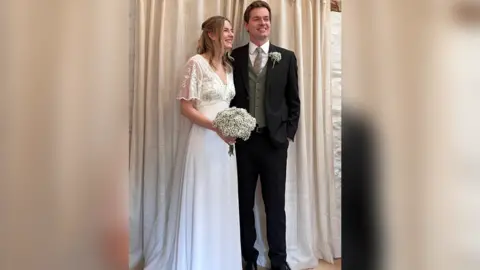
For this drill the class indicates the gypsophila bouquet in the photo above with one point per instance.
(235, 123)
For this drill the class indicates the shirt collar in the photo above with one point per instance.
(252, 47)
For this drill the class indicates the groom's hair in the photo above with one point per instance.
(254, 5)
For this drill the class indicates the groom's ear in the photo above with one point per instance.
(246, 26)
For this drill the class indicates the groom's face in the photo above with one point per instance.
(258, 24)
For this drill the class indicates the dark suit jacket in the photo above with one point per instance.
(282, 102)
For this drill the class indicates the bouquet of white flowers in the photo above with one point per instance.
(235, 123)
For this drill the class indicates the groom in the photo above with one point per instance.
(266, 85)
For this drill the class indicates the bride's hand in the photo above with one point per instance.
(226, 139)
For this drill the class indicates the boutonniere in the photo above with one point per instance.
(276, 57)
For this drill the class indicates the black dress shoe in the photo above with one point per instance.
(251, 266)
(282, 267)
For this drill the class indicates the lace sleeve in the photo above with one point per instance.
(191, 82)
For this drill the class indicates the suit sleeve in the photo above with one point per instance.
(293, 98)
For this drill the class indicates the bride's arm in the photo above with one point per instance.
(198, 118)
(190, 91)
(194, 115)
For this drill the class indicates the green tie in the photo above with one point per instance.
(257, 65)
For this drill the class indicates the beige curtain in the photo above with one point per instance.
(164, 38)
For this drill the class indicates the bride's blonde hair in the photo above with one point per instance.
(213, 25)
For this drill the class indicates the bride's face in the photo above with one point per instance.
(227, 37)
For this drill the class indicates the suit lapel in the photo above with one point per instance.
(270, 71)
(244, 69)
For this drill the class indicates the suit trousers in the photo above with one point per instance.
(259, 157)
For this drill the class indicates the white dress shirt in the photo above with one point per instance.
(253, 54)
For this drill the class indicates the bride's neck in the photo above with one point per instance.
(215, 58)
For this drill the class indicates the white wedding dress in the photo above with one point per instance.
(208, 237)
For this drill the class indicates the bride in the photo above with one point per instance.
(209, 231)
